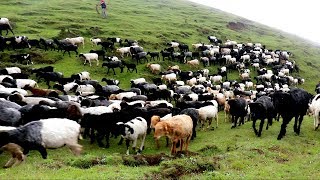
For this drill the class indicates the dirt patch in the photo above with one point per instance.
(144, 160)
(277, 149)
(237, 26)
(281, 160)
(257, 150)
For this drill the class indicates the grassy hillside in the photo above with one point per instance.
(222, 153)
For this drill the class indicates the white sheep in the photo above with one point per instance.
(120, 96)
(194, 62)
(96, 110)
(124, 50)
(43, 134)
(76, 41)
(314, 110)
(137, 81)
(21, 83)
(154, 68)
(11, 70)
(207, 113)
(95, 41)
(13, 90)
(89, 57)
(169, 77)
(216, 79)
(132, 131)
(87, 88)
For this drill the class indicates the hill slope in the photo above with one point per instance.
(223, 153)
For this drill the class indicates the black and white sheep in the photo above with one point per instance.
(43, 134)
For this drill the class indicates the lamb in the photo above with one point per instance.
(154, 68)
(177, 128)
(16, 153)
(208, 112)
(89, 57)
(19, 98)
(314, 109)
(132, 130)
(45, 133)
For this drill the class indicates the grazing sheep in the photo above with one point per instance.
(16, 153)
(89, 57)
(177, 128)
(132, 131)
(46, 133)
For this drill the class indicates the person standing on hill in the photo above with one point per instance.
(103, 5)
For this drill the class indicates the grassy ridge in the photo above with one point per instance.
(238, 153)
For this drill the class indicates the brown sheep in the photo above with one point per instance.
(177, 128)
(16, 153)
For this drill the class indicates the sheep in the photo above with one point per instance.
(84, 89)
(314, 109)
(5, 25)
(95, 41)
(10, 70)
(10, 117)
(65, 88)
(193, 63)
(20, 98)
(89, 57)
(176, 128)
(16, 153)
(122, 95)
(216, 79)
(289, 105)
(40, 92)
(76, 41)
(45, 133)
(132, 131)
(154, 55)
(124, 50)
(208, 112)
(169, 77)
(154, 68)
(81, 76)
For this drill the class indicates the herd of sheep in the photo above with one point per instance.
(172, 104)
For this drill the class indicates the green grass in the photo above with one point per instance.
(222, 153)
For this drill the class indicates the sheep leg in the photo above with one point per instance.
(11, 161)
(295, 126)
(254, 126)
(107, 139)
(100, 136)
(210, 121)
(173, 147)
(217, 120)
(181, 144)
(167, 141)
(43, 152)
(234, 120)
(127, 144)
(261, 126)
(142, 143)
(299, 124)
(121, 141)
(283, 129)
(114, 73)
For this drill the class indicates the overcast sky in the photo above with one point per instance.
(296, 17)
